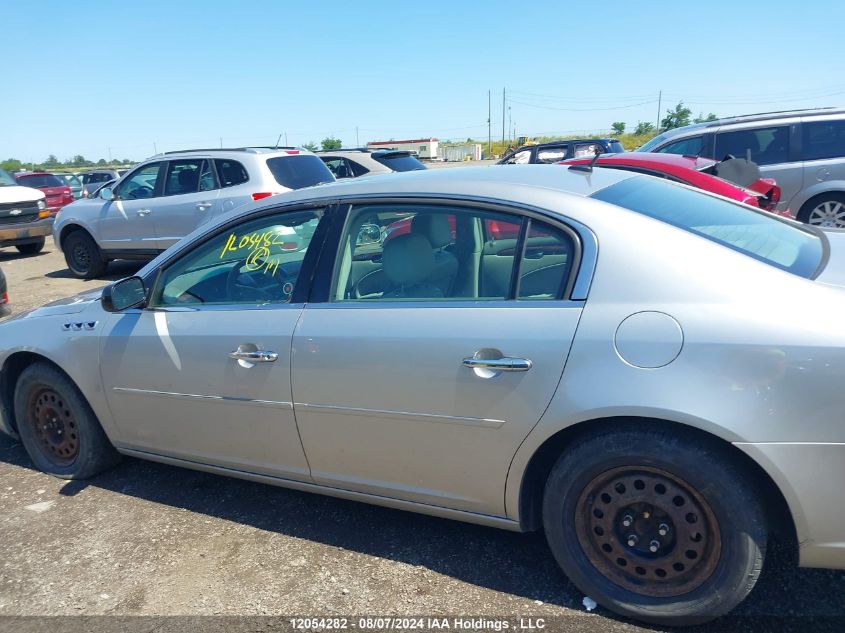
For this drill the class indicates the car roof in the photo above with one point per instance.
(234, 152)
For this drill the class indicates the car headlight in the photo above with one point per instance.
(42, 205)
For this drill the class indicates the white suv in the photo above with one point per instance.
(169, 195)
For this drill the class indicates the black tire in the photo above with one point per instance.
(31, 248)
(717, 565)
(805, 214)
(74, 446)
(82, 255)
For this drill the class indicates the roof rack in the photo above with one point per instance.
(251, 148)
(762, 116)
(345, 149)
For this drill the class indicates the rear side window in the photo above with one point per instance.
(231, 172)
(753, 233)
(691, 146)
(45, 180)
(551, 154)
(399, 162)
(824, 139)
(615, 147)
(766, 145)
(296, 172)
(96, 177)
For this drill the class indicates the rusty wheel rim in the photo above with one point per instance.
(648, 531)
(54, 426)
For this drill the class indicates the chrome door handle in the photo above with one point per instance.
(143, 212)
(498, 364)
(202, 206)
(257, 356)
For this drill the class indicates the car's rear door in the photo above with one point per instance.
(190, 197)
(391, 389)
(203, 372)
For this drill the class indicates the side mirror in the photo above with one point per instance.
(124, 294)
(106, 193)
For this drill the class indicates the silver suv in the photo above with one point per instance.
(351, 163)
(803, 150)
(169, 195)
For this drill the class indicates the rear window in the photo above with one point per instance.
(753, 233)
(38, 180)
(96, 177)
(296, 172)
(399, 162)
(615, 147)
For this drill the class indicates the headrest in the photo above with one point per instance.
(408, 259)
(188, 178)
(435, 227)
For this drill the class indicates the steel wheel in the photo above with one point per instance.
(830, 213)
(648, 531)
(53, 426)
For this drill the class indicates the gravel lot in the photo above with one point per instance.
(148, 539)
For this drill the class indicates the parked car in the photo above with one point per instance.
(56, 191)
(612, 374)
(74, 182)
(351, 163)
(167, 196)
(556, 151)
(5, 310)
(95, 178)
(803, 150)
(24, 217)
(703, 173)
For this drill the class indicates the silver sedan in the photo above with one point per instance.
(644, 371)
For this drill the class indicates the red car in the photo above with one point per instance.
(735, 179)
(55, 189)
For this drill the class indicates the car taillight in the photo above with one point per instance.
(291, 151)
(261, 195)
(4, 298)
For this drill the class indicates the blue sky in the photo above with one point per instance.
(87, 76)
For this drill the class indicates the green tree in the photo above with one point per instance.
(311, 146)
(11, 164)
(704, 119)
(102, 161)
(126, 161)
(79, 161)
(52, 161)
(679, 117)
(643, 128)
(331, 143)
(618, 128)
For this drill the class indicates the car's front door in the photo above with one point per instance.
(190, 197)
(419, 379)
(127, 224)
(203, 372)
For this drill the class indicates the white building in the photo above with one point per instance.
(422, 147)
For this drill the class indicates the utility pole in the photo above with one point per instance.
(357, 142)
(110, 156)
(503, 118)
(221, 142)
(659, 103)
(155, 149)
(286, 140)
(489, 135)
(510, 126)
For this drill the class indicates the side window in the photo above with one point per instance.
(767, 145)
(551, 154)
(520, 158)
(256, 262)
(586, 149)
(339, 167)
(207, 180)
(358, 169)
(824, 139)
(141, 184)
(183, 176)
(691, 146)
(231, 172)
(434, 253)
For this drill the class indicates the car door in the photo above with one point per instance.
(823, 148)
(125, 224)
(422, 386)
(190, 197)
(203, 372)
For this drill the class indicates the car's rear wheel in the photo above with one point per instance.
(31, 248)
(655, 526)
(826, 210)
(57, 427)
(82, 255)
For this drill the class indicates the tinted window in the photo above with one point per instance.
(340, 167)
(399, 162)
(231, 172)
(767, 145)
(824, 139)
(736, 226)
(141, 184)
(551, 154)
(96, 177)
(183, 177)
(39, 180)
(615, 147)
(257, 262)
(295, 172)
(691, 146)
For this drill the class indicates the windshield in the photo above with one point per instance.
(40, 180)
(657, 140)
(295, 172)
(6, 180)
(399, 162)
(754, 233)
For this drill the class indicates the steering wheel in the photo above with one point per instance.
(257, 283)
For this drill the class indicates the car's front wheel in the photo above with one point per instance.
(57, 427)
(826, 210)
(82, 255)
(31, 248)
(655, 525)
